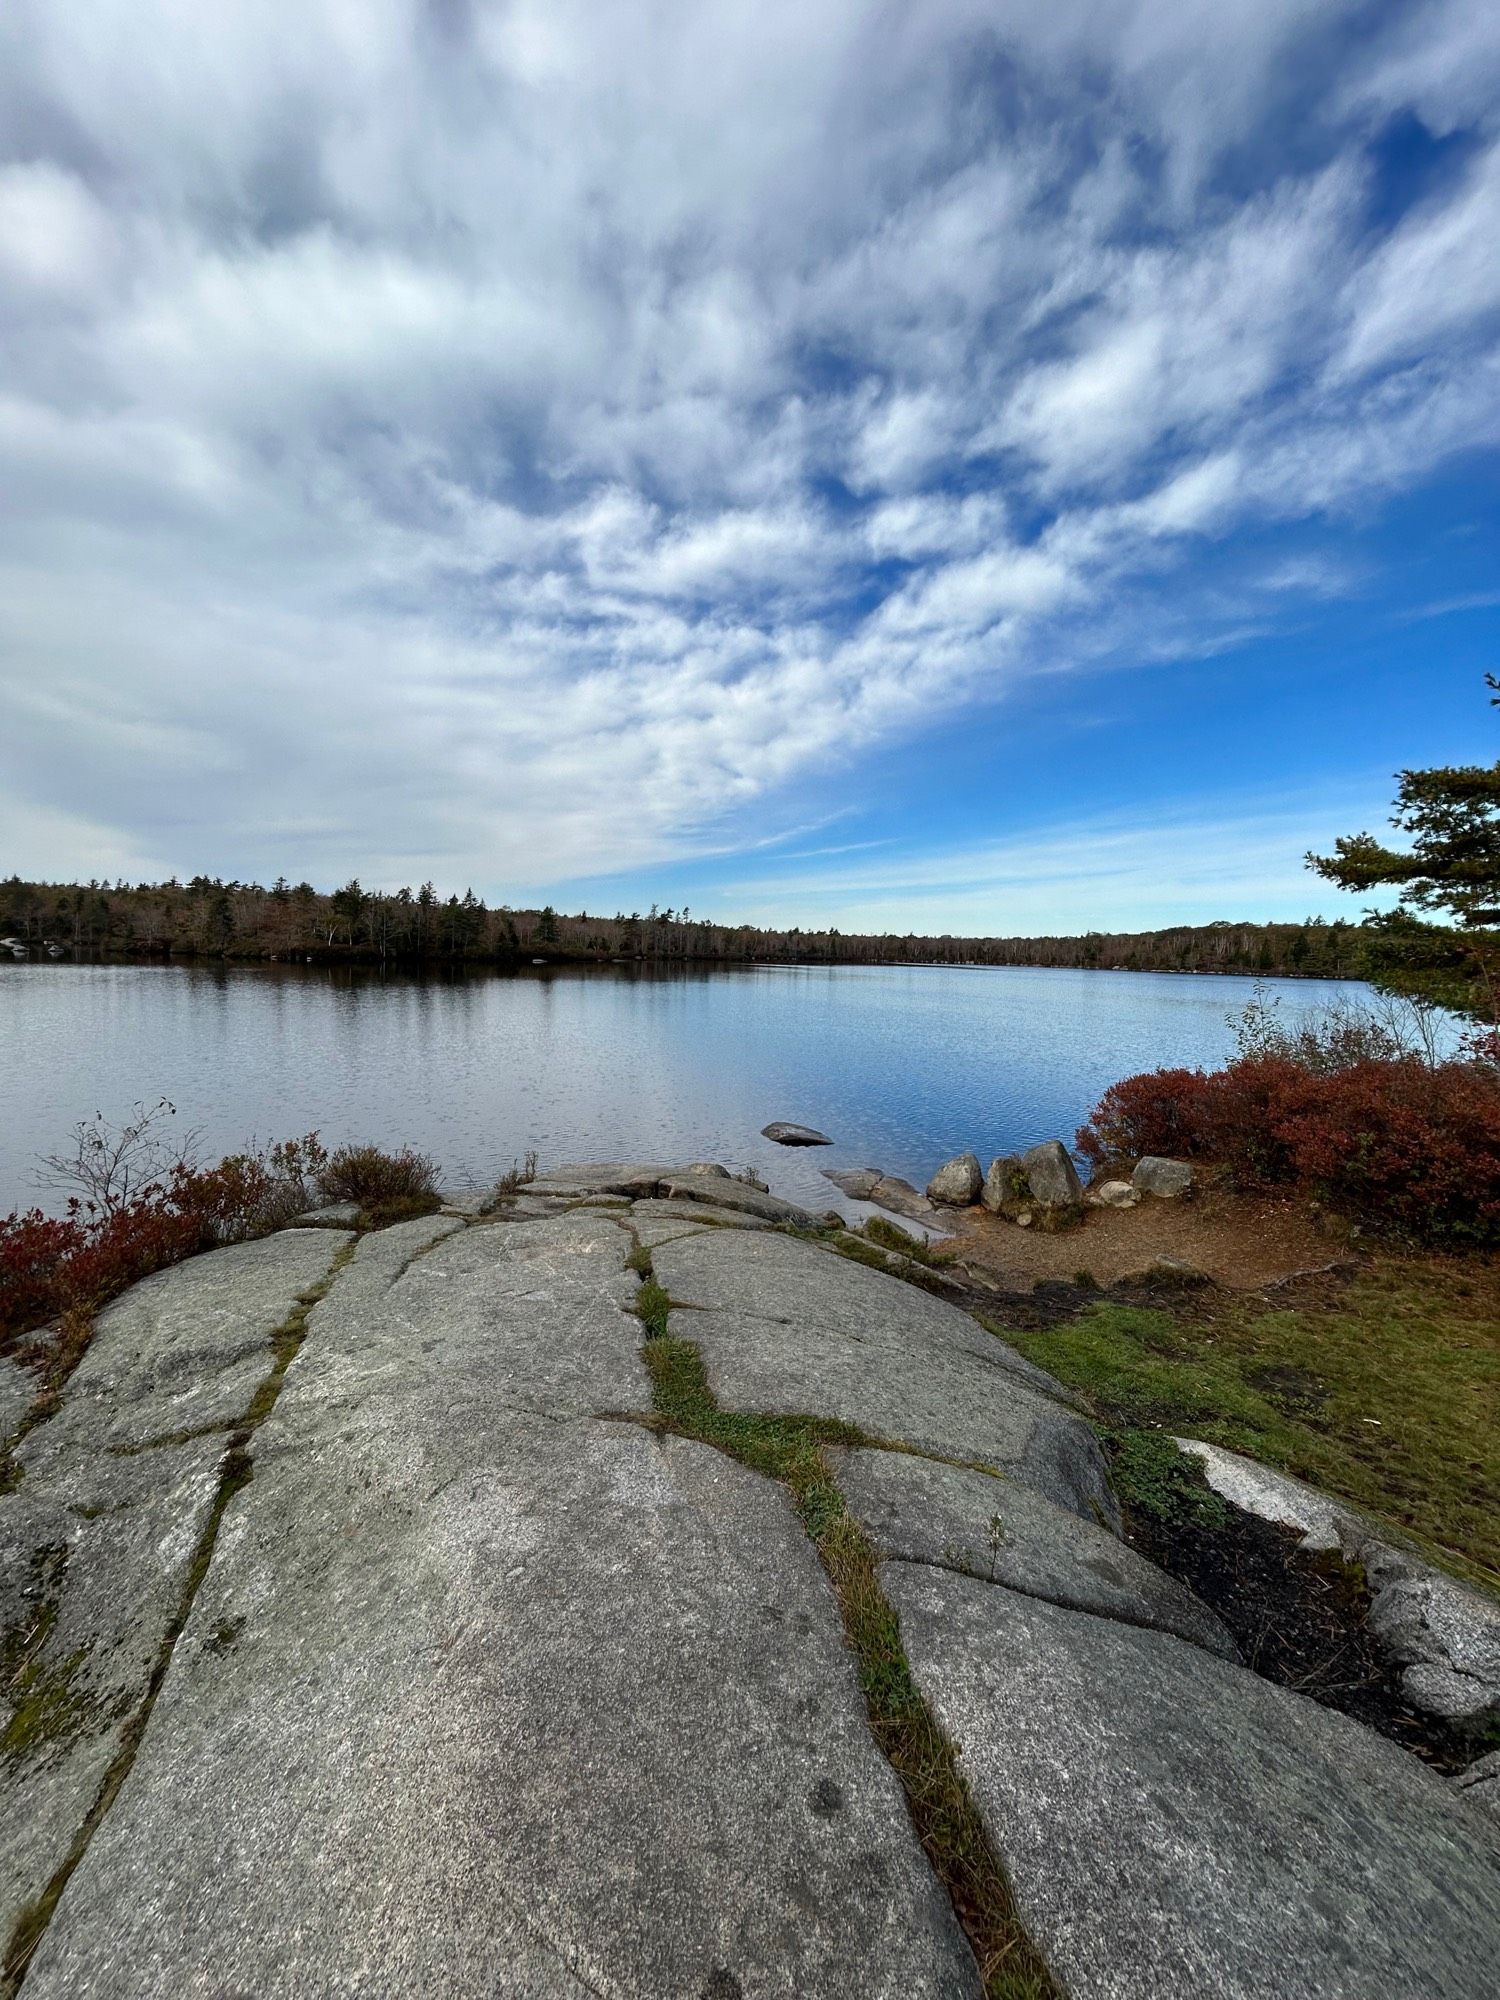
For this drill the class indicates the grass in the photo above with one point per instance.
(1386, 1392)
(790, 1449)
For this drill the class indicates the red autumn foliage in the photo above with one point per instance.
(1401, 1145)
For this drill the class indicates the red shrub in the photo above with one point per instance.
(1397, 1143)
(33, 1249)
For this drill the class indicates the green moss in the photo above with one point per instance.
(1385, 1391)
(790, 1449)
(652, 1305)
(47, 1705)
(1153, 1477)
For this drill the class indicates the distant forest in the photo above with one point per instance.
(208, 918)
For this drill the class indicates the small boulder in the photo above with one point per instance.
(901, 1198)
(1051, 1175)
(1166, 1179)
(783, 1134)
(1113, 1194)
(957, 1182)
(859, 1183)
(1480, 1783)
(708, 1167)
(1005, 1181)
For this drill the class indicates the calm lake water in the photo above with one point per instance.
(903, 1067)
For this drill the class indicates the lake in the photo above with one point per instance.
(901, 1066)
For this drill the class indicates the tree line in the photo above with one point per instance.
(207, 917)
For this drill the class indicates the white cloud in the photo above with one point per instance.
(485, 436)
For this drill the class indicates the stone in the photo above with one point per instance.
(901, 1198)
(333, 1215)
(18, 1391)
(657, 1222)
(711, 1167)
(469, 1201)
(476, 1702)
(1168, 1180)
(1443, 1635)
(1113, 1194)
(627, 1177)
(1005, 1182)
(1168, 1274)
(1171, 1824)
(1479, 1785)
(957, 1182)
(185, 1348)
(736, 1197)
(783, 1134)
(859, 1183)
(785, 1326)
(1051, 1175)
(919, 1510)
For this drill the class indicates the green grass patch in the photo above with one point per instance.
(1386, 1392)
(790, 1449)
(1153, 1477)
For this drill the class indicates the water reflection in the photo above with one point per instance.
(903, 1065)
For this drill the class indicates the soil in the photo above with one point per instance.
(1242, 1241)
(1300, 1620)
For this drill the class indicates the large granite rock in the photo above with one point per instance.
(481, 1695)
(1172, 1825)
(98, 1541)
(957, 1182)
(784, 1325)
(781, 1133)
(859, 1183)
(1005, 1182)
(901, 1198)
(1443, 1635)
(1166, 1179)
(1051, 1175)
(918, 1510)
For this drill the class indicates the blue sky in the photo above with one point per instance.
(945, 467)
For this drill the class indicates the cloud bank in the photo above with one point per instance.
(523, 441)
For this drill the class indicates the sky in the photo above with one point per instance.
(980, 468)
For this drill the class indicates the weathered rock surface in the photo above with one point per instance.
(98, 1541)
(784, 1326)
(482, 1695)
(1444, 1636)
(1172, 1825)
(467, 1683)
(1168, 1180)
(859, 1183)
(18, 1388)
(1051, 1175)
(901, 1198)
(736, 1196)
(1479, 1785)
(917, 1510)
(333, 1215)
(1005, 1180)
(957, 1182)
(781, 1133)
(1113, 1194)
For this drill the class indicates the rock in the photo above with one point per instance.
(1113, 1194)
(1171, 1824)
(901, 1198)
(481, 1695)
(1024, 1219)
(656, 1222)
(18, 1391)
(98, 1541)
(859, 1183)
(957, 1182)
(626, 1177)
(737, 1198)
(710, 1167)
(789, 1326)
(1166, 1274)
(918, 1510)
(468, 1201)
(1051, 1175)
(784, 1134)
(1479, 1785)
(1006, 1181)
(1167, 1179)
(1442, 1634)
(334, 1215)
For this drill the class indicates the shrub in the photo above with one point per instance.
(374, 1179)
(1398, 1143)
